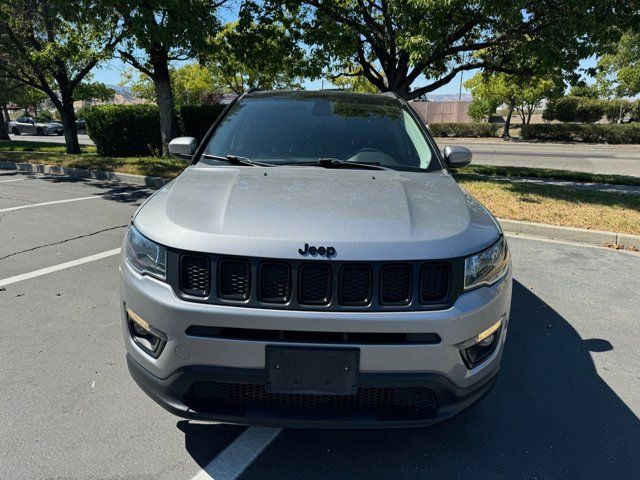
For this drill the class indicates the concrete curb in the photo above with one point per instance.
(152, 182)
(580, 235)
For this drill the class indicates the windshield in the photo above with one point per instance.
(298, 128)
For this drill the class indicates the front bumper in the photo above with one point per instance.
(170, 394)
(189, 360)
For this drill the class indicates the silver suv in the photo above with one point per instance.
(315, 265)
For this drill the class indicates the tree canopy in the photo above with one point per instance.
(400, 43)
(620, 70)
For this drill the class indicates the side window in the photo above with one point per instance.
(20, 120)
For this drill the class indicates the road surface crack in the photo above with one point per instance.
(62, 241)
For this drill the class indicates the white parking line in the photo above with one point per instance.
(13, 180)
(56, 268)
(32, 205)
(234, 459)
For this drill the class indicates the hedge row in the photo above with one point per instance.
(588, 133)
(464, 129)
(590, 110)
(134, 130)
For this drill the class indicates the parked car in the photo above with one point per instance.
(81, 125)
(315, 265)
(35, 126)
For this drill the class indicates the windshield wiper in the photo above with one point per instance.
(236, 160)
(337, 163)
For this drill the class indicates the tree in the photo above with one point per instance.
(93, 92)
(191, 84)
(52, 45)
(619, 73)
(159, 32)
(397, 43)
(255, 54)
(522, 94)
(28, 98)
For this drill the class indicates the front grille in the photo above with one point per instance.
(195, 276)
(211, 396)
(235, 276)
(316, 285)
(395, 284)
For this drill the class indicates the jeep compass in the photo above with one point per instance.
(315, 265)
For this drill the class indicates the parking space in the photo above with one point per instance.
(567, 404)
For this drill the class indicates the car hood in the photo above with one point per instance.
(272, 212)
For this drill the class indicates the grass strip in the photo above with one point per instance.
(547, 173)
(555, 205)
(43, 147)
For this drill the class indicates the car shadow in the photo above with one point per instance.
(113, 191)
(549, 416)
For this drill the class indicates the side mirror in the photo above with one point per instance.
(183, 147)
(457, 157)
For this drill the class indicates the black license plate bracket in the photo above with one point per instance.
(310, 370)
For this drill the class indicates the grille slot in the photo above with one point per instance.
(434, 282)
(234, 279)
(210, 396)
(315, 284)
(395, 284)
(298, 336)
(195, 275)
(355, 285)
(275, 282)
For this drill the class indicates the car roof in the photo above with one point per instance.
(371, 98)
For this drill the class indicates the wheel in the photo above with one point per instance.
(39, 131)
(59, 133)
(15, 131)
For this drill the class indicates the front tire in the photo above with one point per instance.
(39, 131)
(15, 131)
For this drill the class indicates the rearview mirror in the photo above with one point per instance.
(183, 147)
(457, 157)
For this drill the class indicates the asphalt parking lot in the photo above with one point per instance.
(567, 404)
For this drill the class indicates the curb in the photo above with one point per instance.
(152, 182)
(580, 235)
(572, 234)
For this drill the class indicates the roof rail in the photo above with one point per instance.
(392, 95)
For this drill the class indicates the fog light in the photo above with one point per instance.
(475, 350)
(148, 338)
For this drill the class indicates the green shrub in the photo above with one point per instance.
(125, 130)
(195, 120)
(463, 129)
(589, 133)
(574, 109)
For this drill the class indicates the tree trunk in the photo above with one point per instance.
(507, 122)
(68, 115)
(4, 123)
(164, 96)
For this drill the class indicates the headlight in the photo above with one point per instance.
(486, 267)
(146, 257)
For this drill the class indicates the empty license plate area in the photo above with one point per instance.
(321, 371)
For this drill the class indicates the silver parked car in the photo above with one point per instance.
(35, 126)
(315, 265)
